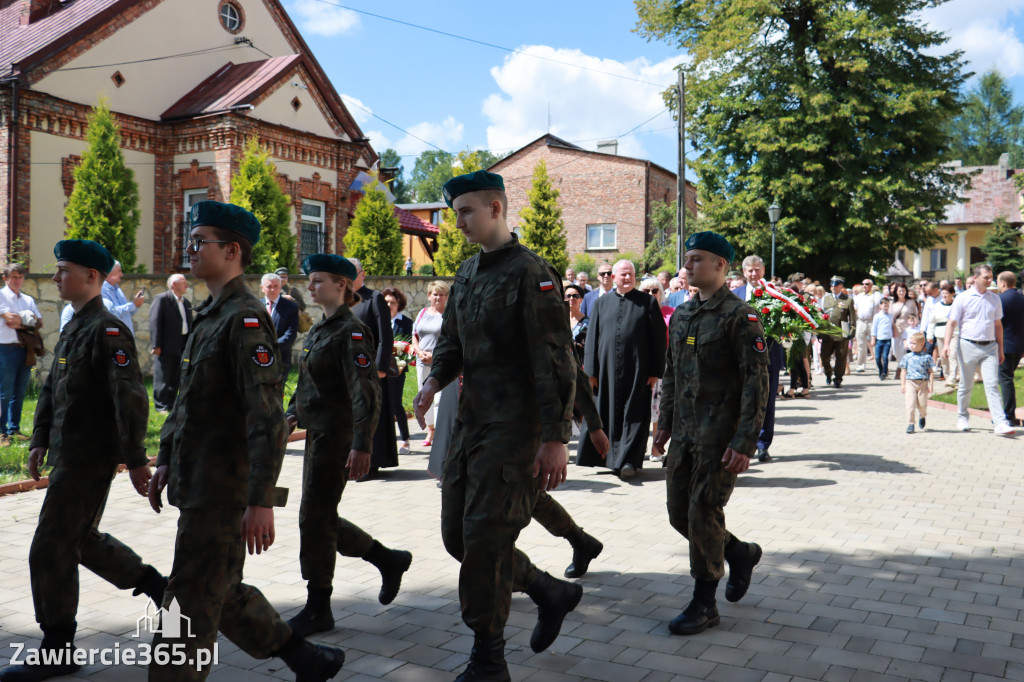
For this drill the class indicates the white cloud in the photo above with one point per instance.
(989, 38)
(585, 105)
(446, 134)
(321, 19)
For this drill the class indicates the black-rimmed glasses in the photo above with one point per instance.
(196, 243)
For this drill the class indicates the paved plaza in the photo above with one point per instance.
(887, 557)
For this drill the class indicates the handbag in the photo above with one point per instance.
(305, 321)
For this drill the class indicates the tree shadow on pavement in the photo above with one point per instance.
(849, 461)
(783, 482)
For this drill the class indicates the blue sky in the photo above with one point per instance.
(457, 94)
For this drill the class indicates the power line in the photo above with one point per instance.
(396, 127)
(492, 45)
(193, 53)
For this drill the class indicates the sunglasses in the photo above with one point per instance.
(649, 291)
(569, 297)
(605, 274)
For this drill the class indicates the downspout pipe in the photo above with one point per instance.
(12, 164)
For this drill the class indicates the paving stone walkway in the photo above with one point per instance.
(887, 557)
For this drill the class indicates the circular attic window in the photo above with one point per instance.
(230, 17)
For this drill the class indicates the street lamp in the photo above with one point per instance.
(774, 211)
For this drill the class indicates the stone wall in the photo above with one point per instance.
(44, 290)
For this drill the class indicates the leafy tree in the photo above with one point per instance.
(1003, 246)
(989, 124)
(542, 230)
(836, 109)
(399, 187)
(104, 205)
(452, 247)
(584, 262)
(433, 168)
(375, 236)
(256, 189)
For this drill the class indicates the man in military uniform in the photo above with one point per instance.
(91, 416)
(220, 454)
(839, 306)
(513, 420)
(713, 401)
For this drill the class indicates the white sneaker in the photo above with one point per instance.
(963, 424)
(1005, 430)
(860, 368)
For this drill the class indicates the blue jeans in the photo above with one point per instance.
(882, 348)
(13, 382)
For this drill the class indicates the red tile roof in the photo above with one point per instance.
(29, 43)
(414, 225)
(992, 194)
(230, 86)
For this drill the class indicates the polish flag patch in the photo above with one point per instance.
(250, 322)
(113, 331)
(752, 317)
(357, 336)
(547, 286)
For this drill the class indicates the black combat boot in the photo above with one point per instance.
(486, 661)
(311, 662)
(152, 585)
(391, 563)
(316, 615)
(585, 549)
(742, 557)
(554, 599)
(700, 614)
(56, 642)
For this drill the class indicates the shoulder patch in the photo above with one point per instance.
(251, 322)
(547, 285)
(113, 331)
(120, 358)
(357, 336)
(759, 345)
(362, 360)
(261, 355)
(752, 317)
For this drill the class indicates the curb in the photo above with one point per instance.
(953, 408)
(24, 486)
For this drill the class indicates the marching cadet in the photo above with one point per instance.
(513, 421)
(337, 401)
(91, 416)
(221, 450)
(841, 312)
(713, 401)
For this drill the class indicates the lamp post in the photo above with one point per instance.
(774, 211)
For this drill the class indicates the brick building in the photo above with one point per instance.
(189, 82)
(605, 198)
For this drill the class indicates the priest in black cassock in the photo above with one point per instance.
(624, 357)
(372, 310)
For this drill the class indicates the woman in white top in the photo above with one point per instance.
(425, 332)
(937, 329)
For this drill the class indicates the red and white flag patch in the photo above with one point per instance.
(357, 336)
(113, 331)
(752, 317)
(251, 322)
(547, 286)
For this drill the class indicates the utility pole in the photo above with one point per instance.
(681, 178)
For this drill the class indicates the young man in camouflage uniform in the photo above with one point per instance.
(713, 400)
(512, 425)
(839, 306)
(221, 451)
(91, 416)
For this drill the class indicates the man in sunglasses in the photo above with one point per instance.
(605, 283)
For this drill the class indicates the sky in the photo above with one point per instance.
(569, 67)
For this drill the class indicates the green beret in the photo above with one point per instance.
(329, 262)
(85, 252)
(713, 243)
(227, 217)
(471, 182)
(836, 279)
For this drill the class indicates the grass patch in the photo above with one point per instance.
(978, 401)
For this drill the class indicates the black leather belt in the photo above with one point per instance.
(978, 343)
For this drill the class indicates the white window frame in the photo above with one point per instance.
(230, 17)
(320, 222)
(603, 227)
(189, 198)
(943, 257)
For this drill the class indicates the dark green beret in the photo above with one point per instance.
(836, 279)
(85, 252)
(713, 243)
(329, 262)
(227, 217)
(471, 182)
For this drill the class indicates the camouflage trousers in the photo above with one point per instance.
(322, 533)
(841, 349)
(67, 536)
(488, 494)
(206, 582)
(698, 489)
(552, 515)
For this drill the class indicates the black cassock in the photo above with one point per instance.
(625, 346)
(373, 311)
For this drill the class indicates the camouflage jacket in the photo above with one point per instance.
(224, 439)
(338, 390)
(506, 329)
(715, 388)
(93, 408)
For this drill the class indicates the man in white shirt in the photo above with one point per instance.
(866, 305)
(17, 310)
(170, 318)
(978, 313)
(115, 300)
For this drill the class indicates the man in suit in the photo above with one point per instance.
(170, 319)
(605, 283)
(677, 298)
(285, 314)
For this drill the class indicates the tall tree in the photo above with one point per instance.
(1002, 246)
(452, 247)
(433, 168)
(399, 186)
(836, 109)
(255, 188)
(104, 205)
(989, 125)
(375, 236)
(542, 229)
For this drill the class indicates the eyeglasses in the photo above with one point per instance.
(196, 243)
(649, 291)
(605, 274)
(569, 297)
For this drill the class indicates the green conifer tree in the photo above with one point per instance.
(104, 205)
(255, 188)
(452, 247)
(542, 230)
(375, 236)
(1002, 246)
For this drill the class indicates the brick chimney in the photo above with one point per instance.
(34, 10)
